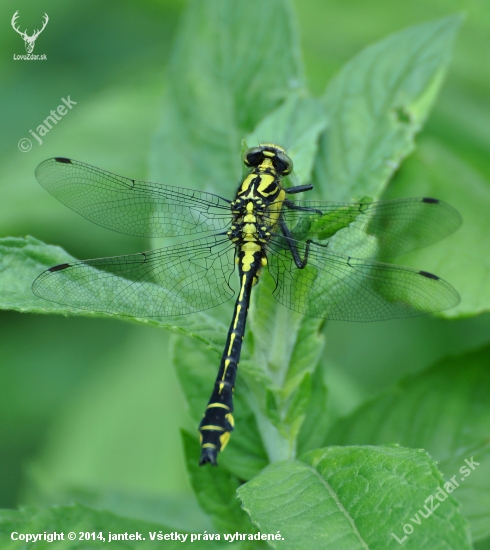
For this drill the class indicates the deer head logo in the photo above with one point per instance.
(30, 41)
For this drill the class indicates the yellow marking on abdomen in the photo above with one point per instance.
(244, 280)
(212, 427)
(227, 363)
(238, 309)
(230, 419)
(249, 247)
(232, 339)
(223, 439)
(218, 405)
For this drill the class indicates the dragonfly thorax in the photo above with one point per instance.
(252, 220)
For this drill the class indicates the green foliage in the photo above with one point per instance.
(376, 105)
(353, 498)
(216, 492)
(83, 521)
(235, 75)
(229, 68)
(444, 410)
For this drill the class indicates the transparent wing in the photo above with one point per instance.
(129, 206)
(384, 229)
(175, 280)
(338, 287)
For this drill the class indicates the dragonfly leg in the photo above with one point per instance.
(300, 263)
(293, 247)
(298, 189)
(292, 206)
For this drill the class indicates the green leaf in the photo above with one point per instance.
(354, 498)
(232, 63)
(113, 437)
(462, 259)
(79, 519)
(215, 490)
(287, 347)
(482, 545)
(470, 469)
(22, 260)
(296, 405)
(376, 105)
(317, 418)
(296, 125)
(444, 410)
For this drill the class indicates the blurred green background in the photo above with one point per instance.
(92, 407)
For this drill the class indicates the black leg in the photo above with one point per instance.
(298, 189)
(300, 263)
(293, 206)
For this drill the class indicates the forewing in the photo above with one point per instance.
(337, 287)
(384, 229)
(133, 207)
(175, 280)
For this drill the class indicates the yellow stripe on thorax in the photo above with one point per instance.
(275, 208)
(247, 184)
(265, 181)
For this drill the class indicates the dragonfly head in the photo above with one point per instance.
(255, 156)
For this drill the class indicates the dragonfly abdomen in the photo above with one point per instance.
(256, 210)
(218, 423)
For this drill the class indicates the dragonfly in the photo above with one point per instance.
(327, 258)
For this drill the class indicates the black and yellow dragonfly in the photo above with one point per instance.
(324, 256)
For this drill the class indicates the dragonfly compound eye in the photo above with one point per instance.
(253, 156)
(283, 163)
